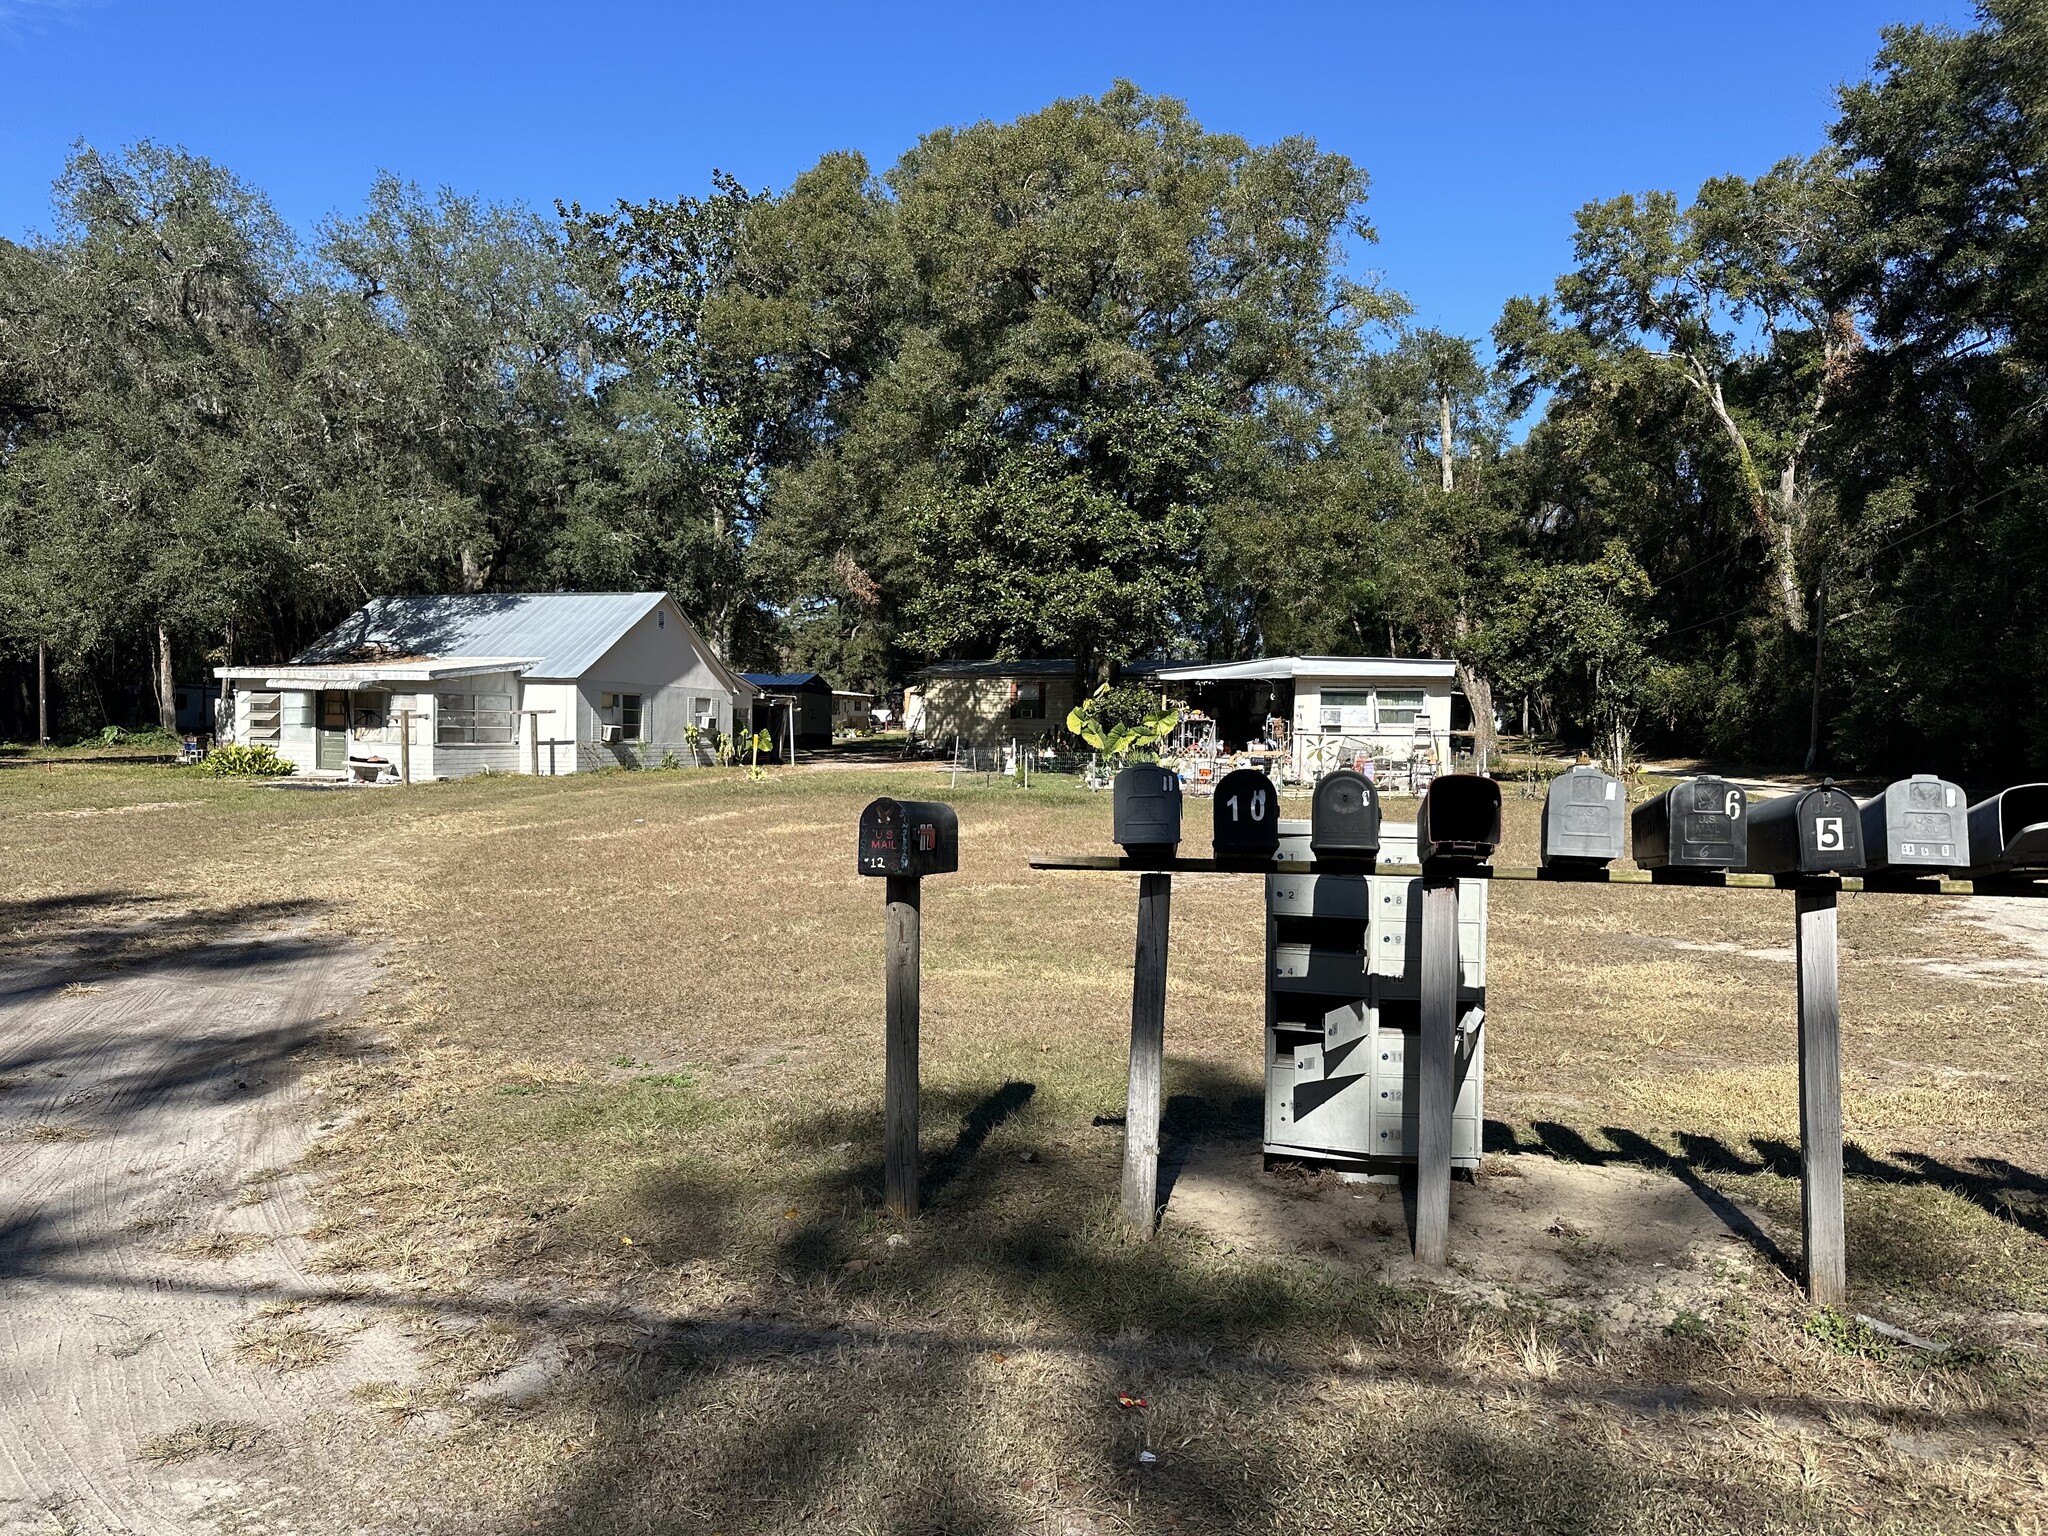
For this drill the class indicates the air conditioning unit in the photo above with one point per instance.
(610, 733)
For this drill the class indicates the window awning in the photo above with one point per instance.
(375, 676)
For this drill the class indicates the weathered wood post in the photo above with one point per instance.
(1820, 1097)
(405, 745)
(1457, 828)
(1436, 1073)
(902, 942)
(903, 841)
(1148, 1048)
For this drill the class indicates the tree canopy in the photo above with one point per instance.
(1761, 473)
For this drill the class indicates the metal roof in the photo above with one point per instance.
(786, 681)
(998, 669)
(1389, 669)
(567, 631)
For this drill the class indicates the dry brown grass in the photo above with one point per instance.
(212, 1437)
(647, 1007)
(286, 1346)
(219, 1246)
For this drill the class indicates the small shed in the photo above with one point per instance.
(985, 702)
(804, 697)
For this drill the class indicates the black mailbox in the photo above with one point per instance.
(1702, 823)
(1585, 818)
(909, 837)
(1459, 819)
(1247, 817)
(2009, 833)
(1344, 827)
(1921, 823)
(1813, 832)
(1146, 815)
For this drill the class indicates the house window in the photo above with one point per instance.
(703, 714)
(473, 719)
(264, 717)
(622, 710)
(1346, 710)
(1399, 708)
(1027, 701)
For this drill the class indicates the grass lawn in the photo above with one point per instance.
(623, 1124)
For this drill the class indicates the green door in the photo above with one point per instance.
(330, 733)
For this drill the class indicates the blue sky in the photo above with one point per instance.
(1483, 125)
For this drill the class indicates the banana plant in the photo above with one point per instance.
(1120, 743)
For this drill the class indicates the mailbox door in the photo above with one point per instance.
(1346, 819)
(882, 846)
(1247, 810)
(1582, 817)
(1713, 825)
(1146, 812)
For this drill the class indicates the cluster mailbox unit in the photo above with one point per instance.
(1343, 990)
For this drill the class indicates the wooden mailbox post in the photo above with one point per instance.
(902, 841)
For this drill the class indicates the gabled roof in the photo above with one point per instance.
(789, 682)
(998, 669)
(566, 631)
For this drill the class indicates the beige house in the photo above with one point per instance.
(985, 702)
(512, 682)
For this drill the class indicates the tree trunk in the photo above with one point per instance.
(1443, 436)
(1820, 634)
(1478, 691)
(166, 689)
(42, 695)
(1776, 530)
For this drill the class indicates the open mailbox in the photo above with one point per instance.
(1702, 823)
(909, 837)
(1344, 826)
(1585, 819)
(2009, 833)
(1921, 824)
(1459, 819)
(1247, 808)
(1145, 813)
(1813, 832)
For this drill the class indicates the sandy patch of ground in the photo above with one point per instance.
(154, 1326)
(1623, 1245)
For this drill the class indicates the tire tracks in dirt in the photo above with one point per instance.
(155, 1103)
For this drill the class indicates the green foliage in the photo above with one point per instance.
(1844, 1334)
(259, 761)
(1102, 721)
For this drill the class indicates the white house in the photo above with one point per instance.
(530, 682)
(1337, 708)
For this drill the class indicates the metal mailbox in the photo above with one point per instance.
(909, 837)
(1702, 823)
(1145, 819)
(1247, 817)
(2009, 833)
(1459, 819)
(1585, 817)
(1921, 823)
(1345, 819)
(1814, 832)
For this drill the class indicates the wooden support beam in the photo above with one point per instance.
(1820, 1099)
(903, 937)
(1148, 1049)
(1436, 1071)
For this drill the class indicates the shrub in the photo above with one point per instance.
(255, 762)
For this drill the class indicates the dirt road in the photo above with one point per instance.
(149, 1234)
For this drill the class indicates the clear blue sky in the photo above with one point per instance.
(1483, 125)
